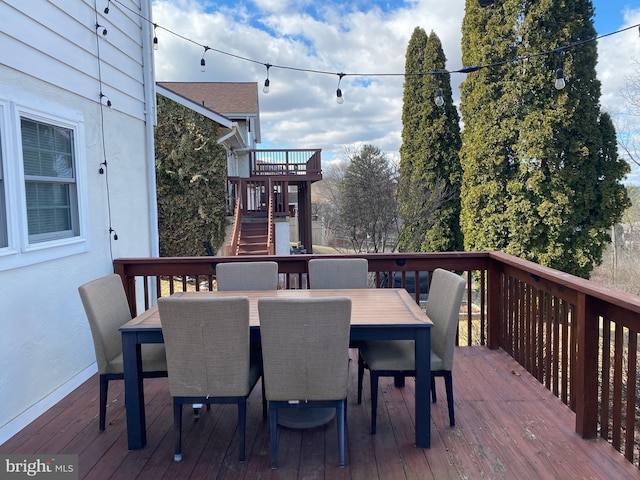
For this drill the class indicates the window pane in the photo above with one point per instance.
(49, 181)
(48, 208)
(47, 150)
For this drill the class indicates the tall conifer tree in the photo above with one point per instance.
(430, 171)
(541, 173)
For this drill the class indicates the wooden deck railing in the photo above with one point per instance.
(286, 162)
(232, 246)
(577, 338)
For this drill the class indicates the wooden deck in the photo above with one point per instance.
(508, 426)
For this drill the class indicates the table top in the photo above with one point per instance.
(369, 306)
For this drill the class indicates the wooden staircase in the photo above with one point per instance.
(254, 238)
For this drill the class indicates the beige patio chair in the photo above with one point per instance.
(107, 309)
(247, 276)
(208, 356)
(304, 350)
(234, 276)
(386, 358)
(338, 273)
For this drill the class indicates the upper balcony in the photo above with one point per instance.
(290, 165)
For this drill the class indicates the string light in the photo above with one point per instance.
(103, 170)
(155, 37)
(108, 103)
(265, 89)
(439, 99)
(339, 97)
(104, 31)
(559, 83)
(106, 9)
(203, 64)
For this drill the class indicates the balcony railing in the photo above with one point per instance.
(577, 338)
(287, 162)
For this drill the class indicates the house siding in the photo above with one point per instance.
(49, 62)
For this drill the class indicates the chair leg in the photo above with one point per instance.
(273, 433)
(373, 378)
(448, 383)
(264, 402)
(104, 387)
(433, 388)
(341, 414)
(360, 375)
(177, 430)
(242, 425)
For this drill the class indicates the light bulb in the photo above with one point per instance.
(155, 43)
(339, 97)
(203, 65)
(265, 89)
(560, 83)
(439, 99)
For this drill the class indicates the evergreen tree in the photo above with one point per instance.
(368, 210)
(191, 181)
(541, 173)
(430, 172)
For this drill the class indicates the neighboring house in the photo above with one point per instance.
(59, 215)
(254, 176)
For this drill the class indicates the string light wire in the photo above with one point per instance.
(462, 70)
(103, 169)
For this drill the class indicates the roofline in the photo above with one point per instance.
(201, 109)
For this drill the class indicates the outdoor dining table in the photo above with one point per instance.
(376, 314)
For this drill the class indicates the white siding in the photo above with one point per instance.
(49, 62)
(55, 41)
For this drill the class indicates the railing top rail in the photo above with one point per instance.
(272, 150)
(566, 280)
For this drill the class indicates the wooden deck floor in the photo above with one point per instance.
(508, 426)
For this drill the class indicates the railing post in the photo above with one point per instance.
(493, 306)
(585, 370)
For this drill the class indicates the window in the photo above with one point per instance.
(49, 178)
(42, 182)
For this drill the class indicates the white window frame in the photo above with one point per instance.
(4, 236)
(20, 251)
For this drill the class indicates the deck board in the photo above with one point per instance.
(507, 426)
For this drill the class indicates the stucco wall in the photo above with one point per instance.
(45, 342)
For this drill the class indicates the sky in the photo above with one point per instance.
(357, 37)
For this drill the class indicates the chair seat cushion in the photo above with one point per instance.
(393, 355)
(153, 359)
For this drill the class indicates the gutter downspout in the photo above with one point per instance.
(148, 70)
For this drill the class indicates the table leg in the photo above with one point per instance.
(133, 392)
(423, 387)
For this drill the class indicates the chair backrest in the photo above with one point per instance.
(305, 344)
(338, 273)
(443, 308)
(207, 345)
(247, 276)
(107, 309)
